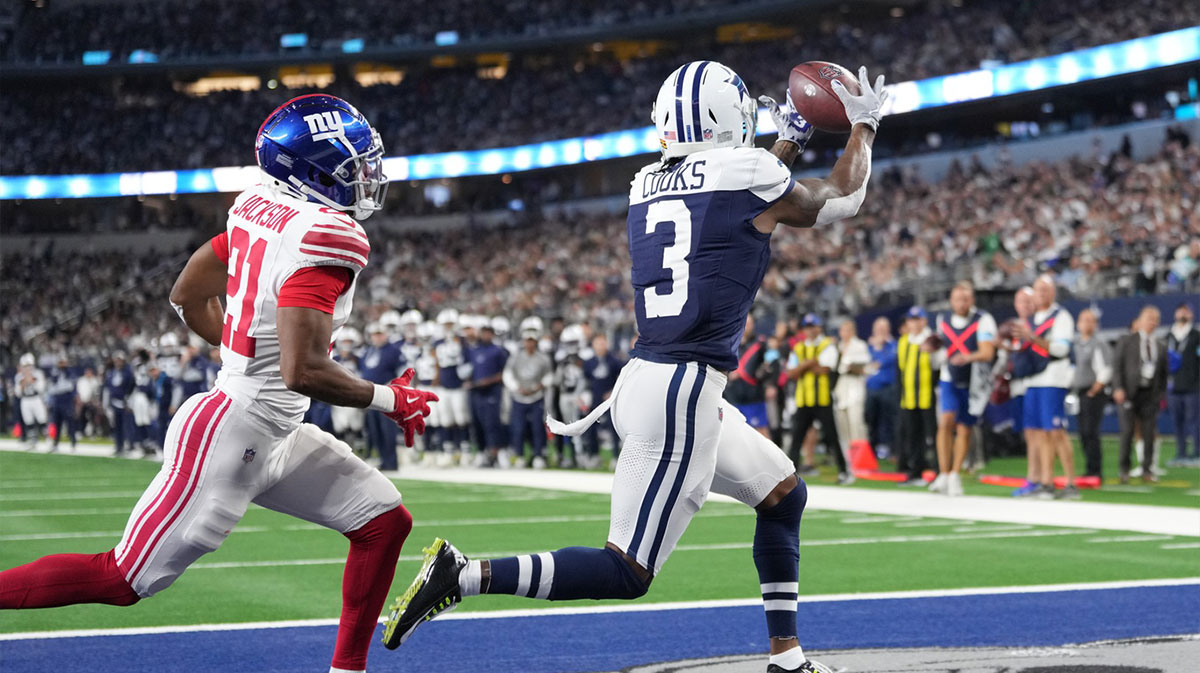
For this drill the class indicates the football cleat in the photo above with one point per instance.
(433, 592)
(809, 666)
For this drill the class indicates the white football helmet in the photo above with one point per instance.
(411, 317)
(532, 328)
(572, 338)
(27, 360)
(448, 317)
(501, 326)
(702, 106)
(390, 320)
(349, 337)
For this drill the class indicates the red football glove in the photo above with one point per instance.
(412, 406)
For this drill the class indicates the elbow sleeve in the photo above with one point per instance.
(844, 206)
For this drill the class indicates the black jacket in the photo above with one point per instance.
(1186, 379)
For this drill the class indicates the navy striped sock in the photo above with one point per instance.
(777, 557)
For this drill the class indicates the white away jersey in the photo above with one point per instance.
(272, 236)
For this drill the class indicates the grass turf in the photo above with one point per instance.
(274, 567)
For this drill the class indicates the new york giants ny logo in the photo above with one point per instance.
(324, 125)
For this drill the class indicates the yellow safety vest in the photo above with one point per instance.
(812, 390)
(916, 376)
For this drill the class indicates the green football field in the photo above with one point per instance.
(274, 567)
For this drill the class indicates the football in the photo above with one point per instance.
(811, 86)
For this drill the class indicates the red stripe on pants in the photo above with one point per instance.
(181, 487)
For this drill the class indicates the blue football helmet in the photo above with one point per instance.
(319, 148)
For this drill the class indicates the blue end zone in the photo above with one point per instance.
(604, 642)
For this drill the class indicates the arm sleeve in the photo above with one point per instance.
(220, 245)
(316, 287)
(987, 328)
(1061, 334)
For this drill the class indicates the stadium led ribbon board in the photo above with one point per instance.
(1120, 58)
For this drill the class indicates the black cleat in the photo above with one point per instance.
(433, 592)
(809, 666)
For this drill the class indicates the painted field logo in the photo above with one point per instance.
(324, 125)
(829, 71)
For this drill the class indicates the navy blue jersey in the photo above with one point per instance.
(601, 373)
(451, 357)
(487, 360)
(118, 383)
(697, 259)
(62, 387)
(381, 364)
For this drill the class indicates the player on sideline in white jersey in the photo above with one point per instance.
(286, 265)
(699, 226)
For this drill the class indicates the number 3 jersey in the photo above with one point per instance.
(277, 246)
(697, 259)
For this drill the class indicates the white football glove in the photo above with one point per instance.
(867, 107)
(792, 127)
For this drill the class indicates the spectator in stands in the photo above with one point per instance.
(882, 393)
(812, 365)
(850, 391)
(527, 375)
(1139, 386)
(1093, 372)
(1183, 363)
(1049, 333)
(64, 403)
(747, 385)
(916, 424)
(601, 372)
(965, 382)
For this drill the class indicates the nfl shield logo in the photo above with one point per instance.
(248, 456)
(829, 71)
(708, 134)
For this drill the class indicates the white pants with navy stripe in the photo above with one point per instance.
(217, 461)
(674, 450)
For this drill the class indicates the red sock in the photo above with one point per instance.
(374, 549)
(65, 579)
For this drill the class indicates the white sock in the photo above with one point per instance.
(469, 579)
(344, 670)
(790, 659)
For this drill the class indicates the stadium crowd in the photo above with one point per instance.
(141, 123)
(1096, 222)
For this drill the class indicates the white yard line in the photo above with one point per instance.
(1180, 545)
(608, 609)
(924, 523)
(90, 495)
(878, 519)
(1150, 519)
(684, 548)
(1159, 520)
(1127, 538)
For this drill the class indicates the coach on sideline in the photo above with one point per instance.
(1139, 385)
(1093, 372)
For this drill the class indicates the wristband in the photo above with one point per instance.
(384, 399)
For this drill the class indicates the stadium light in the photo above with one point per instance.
(1155, 51)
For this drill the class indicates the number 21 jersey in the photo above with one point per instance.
(697, 259)
(271, 237)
